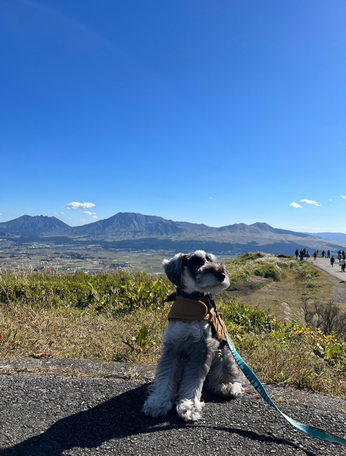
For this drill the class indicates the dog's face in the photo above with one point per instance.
(198, 271)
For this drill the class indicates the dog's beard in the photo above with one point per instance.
(204, 283)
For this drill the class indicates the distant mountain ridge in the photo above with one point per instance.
(337, 237)
(132, 230)
(128, 225)
(33, 225)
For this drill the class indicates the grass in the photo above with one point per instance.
(266, 282)
(121, 317)
(82, 316)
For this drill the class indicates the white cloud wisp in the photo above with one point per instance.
(296, 205)
(313, 203)
(76, 205)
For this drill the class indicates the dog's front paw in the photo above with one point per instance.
(190, 410)
(233, 390)
(154, 406)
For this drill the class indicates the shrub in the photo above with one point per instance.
(242, 319)
(120, 291)
(328, 318)
(268, 271)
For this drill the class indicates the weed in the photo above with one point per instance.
(328, 317)
(121, 316)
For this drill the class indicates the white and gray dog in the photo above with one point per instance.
(192, 356)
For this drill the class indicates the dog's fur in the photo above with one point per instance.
(191, 358)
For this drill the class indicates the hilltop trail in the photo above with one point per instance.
(335, 275)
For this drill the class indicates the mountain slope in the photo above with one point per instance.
(28, 225)
(126, 225)
(336, 237)
(137, 231)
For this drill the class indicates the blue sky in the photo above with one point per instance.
(209, 112)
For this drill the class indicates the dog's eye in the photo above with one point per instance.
(196, 263)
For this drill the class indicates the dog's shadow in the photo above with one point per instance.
(117, 418)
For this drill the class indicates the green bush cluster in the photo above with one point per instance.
(241, 318)
(254, 264)
(120, 291)
(249, 256)
(272, 267)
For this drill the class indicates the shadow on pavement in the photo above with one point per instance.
(117, 418)
(262, 438)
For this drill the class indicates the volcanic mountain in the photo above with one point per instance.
(28, 225)
(137, 231)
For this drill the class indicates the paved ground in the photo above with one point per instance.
(50, 414)
(334, 274)
(324, 263)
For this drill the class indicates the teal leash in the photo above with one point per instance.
(255, 382)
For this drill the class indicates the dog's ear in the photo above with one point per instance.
(174, 268)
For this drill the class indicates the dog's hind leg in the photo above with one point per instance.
(224, 378)
(163, 390)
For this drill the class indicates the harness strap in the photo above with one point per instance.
(186, 310)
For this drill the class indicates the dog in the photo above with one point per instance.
(192, 356)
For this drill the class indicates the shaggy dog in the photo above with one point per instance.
(192, 355)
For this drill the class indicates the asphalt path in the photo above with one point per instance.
(43, 412)
(324, 263)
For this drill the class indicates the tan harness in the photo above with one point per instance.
(186, 310)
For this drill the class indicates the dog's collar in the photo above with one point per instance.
(207, 298)
(196, 295)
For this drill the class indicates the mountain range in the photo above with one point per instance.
(337, 237)
(137, 231)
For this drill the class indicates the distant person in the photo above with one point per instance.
(323, 253)
(332, 260)
(339, 256)
(343, 264)
(296, 254)
(328, 254)
(315, 255)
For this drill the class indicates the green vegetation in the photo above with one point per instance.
(287, 353)
(121, 316)
(116, 292)
(265, 282)
(243, 268)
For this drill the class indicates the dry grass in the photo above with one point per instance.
(55, 316)
(27, 331)
(299, 282)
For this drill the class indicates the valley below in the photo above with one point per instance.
(89, 258)
(138, 242)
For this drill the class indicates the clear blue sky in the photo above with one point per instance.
(210, 112)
